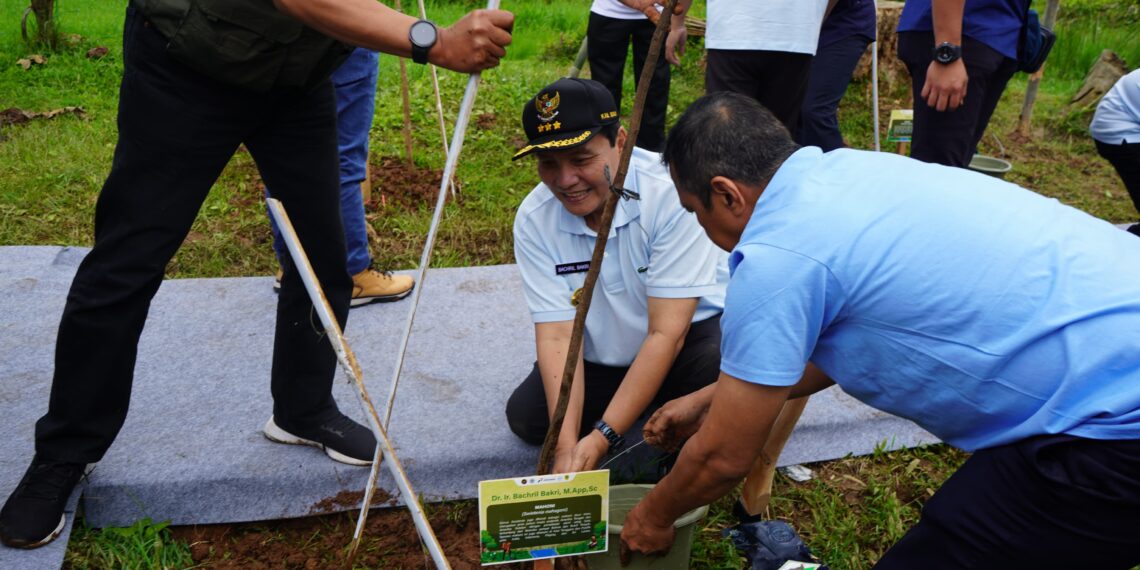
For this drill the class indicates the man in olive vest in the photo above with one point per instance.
(200, 78)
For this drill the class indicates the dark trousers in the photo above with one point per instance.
(177, 130)
(777, 79)
(696, 366)
(1049, 502)
(607, 44)
(1125, 158)
(951, 137)
(831, 70)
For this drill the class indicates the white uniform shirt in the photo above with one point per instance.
(615, 9)
(771, 25)
(1117, 117)
(655, 249)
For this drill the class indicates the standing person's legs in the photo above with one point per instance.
(529, 416)
(297, 157)
(1049, 502)
(652, 134)
(830, 74)
(732, 70)
(355, 84)
(177, 130)
(950, 137)
(1125, 158)
(607, 43)
(778, 80)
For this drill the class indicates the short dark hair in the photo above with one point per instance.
(611, 131)
(725, 134)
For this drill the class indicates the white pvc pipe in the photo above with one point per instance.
(448, 171)
(348, 362)
(875, 78)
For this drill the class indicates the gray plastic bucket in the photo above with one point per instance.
(622, 500)
(995, 167)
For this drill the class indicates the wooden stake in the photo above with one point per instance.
(547, 455)
(351, 367)
(407, 104)
(757, 489)
(439, 111)
(1035, 79)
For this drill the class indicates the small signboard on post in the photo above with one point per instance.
(544, 516)
(900, 128)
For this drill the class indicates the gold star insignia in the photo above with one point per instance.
(557, 125)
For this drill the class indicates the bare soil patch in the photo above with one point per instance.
(397, 184)
(318, 542)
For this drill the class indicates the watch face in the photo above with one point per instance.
(945, 53)
(423, 34)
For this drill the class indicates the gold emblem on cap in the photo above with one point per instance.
(576, 297)
(547, 106)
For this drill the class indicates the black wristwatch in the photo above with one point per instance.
(423, 35)
(947, 53)
(615, 439)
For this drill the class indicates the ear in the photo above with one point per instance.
(727, 193)
(621, 136)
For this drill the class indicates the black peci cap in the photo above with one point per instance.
(565, 114)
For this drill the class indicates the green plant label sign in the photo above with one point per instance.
(901, 125)
(547, 516)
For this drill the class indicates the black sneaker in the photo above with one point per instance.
(33, 515)
(341, 438)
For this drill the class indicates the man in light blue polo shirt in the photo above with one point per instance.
(653, 330)
(1001, 321)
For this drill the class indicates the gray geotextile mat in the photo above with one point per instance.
(192, 452)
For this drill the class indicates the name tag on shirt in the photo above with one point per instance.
(576, 267)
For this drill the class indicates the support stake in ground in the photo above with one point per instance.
(347, 360)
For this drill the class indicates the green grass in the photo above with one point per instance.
(51, 172)
(143, 546)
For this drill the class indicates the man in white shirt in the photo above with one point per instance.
(760, 49)
(1116, 130)
(653, 330)
(613, 26)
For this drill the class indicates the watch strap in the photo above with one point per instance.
(419, 51)
(615, 439)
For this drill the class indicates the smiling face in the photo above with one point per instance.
(576, 176)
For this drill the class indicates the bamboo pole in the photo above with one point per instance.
(348, 362)
(579, 60)
(439, 110)
(425, 258)
(875, 83)
(1026, 117)
(547, 454)
(406, 98)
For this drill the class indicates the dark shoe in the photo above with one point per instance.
(341, 438)
(33, 515)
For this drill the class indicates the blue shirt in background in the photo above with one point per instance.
(849, 18)
(982, 311)
(996, 23)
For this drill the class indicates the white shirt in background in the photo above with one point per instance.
(770, 25)
(1117, 117)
